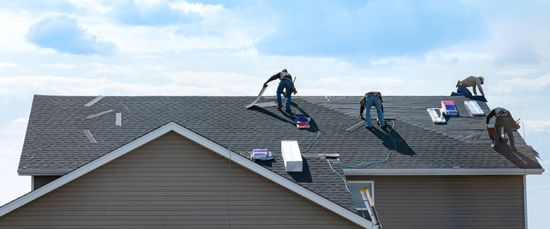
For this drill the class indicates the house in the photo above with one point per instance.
(173, 162)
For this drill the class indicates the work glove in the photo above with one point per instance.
(361, 116)
(283, 93)
(265, 84)
(294, 91)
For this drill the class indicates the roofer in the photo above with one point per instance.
(470, 81)
(504, 121)
(286, 84)
(461, 90)
(373, 98)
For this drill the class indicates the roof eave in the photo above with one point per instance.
(43, 172)
(441, 172)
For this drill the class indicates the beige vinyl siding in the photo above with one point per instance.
(172, 183)
(449, 201)
(39, 181)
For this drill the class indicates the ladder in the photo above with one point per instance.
(369, 203)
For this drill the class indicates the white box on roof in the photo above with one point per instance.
(474, 108)
(291, 156)
(436, 115)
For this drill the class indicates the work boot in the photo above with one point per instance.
(514, 149)
(288, 110)
(369, 128)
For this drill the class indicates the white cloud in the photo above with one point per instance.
(65, 34)
(58, 66)
(523, 84)
(8, 65)
(91, 5)
(20, 86)
(15, 128)
(204, 10)
(12, 31)
(160, 13)
(518, 71)
(11, 142)
(538, 125)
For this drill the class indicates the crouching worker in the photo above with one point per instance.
(504, 121)
(373, 98)
(285, 84)
(471, 81)
(461, 90)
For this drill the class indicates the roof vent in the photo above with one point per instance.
(449, 108)
(436, 115)
(291, 156)
(330, 156)
(474, 108)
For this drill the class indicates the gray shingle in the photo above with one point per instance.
(55, 141)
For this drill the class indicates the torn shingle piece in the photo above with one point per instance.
(99, 114)
(118, 119)
(89, 136)
(94, 101)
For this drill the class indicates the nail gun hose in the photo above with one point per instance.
(366, 164)
(313, 142)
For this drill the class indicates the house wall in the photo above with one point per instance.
(448, 201)
(39, 181)
(172, 183)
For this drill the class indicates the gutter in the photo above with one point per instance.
(43, 172)
(356, 172)
(440, 172)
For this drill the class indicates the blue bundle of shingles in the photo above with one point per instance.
(449, 108)
(302, 122)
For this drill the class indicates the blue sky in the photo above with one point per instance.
(156, 47)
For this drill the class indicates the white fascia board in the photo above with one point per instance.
(440, 172)
(11, 206)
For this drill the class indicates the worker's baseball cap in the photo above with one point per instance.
(284, 70)
(482, 79)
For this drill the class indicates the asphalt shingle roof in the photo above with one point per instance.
(55, 141)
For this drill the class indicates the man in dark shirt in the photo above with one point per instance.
(286, 84)
(504, 121)
(373, 98)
